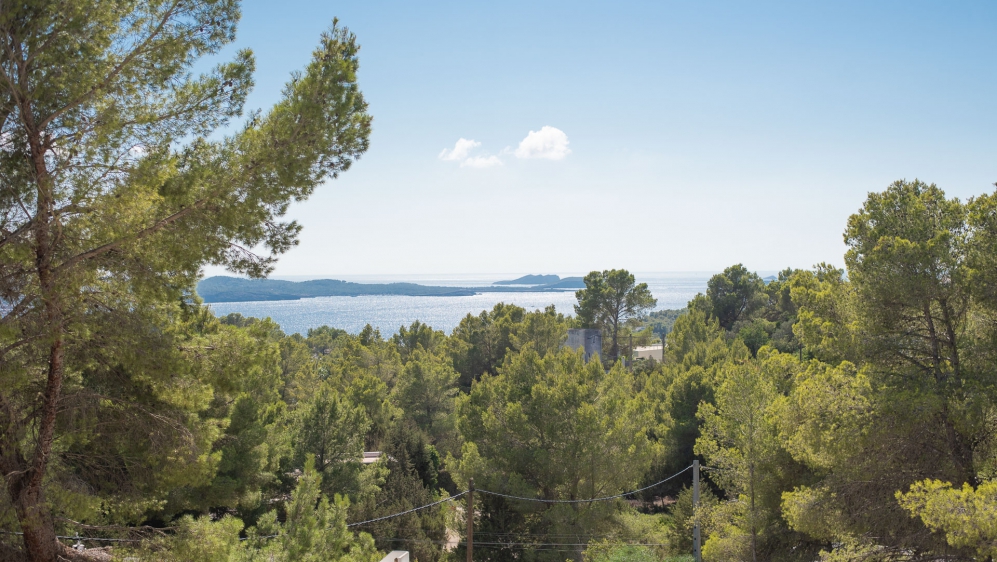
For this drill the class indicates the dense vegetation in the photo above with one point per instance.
(844, 414)
(661, 321)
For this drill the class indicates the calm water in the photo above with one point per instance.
(388, 312)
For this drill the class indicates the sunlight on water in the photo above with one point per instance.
(388, 312)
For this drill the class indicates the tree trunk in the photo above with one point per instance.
(754, 530)
(36, 521)
(616, 332)
(25, 485)
(936, 359)
(948, 318)
(960, 451)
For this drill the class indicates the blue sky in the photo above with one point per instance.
(701, 134)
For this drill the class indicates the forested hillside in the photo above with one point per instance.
(840, 414)
(233, 289)
(221, 288)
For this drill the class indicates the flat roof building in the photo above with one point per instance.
(655, 352)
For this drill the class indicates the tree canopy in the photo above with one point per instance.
(846, 414)
(609, 301)
(116, 192)
(843, 413)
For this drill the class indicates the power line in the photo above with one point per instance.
(604, 498)
(79, 538)
(517, 543)
(444, 500)
(541, 536)
(99, 539)
(532, 544)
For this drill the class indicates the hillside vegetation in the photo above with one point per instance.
(845, 415)
(841, 414)
(234, 289)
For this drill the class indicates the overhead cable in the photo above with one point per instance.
(604, 498)
(444, 500)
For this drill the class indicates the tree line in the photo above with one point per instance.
(844, 414)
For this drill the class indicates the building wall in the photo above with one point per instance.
(587, 339)
(650, 352)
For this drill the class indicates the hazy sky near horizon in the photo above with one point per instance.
(552, 137)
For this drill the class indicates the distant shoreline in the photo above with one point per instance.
(223, 289)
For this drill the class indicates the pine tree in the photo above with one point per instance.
(116, 191)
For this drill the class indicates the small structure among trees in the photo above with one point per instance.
(611, 301)
(589, 340)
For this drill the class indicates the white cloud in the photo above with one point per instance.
(481, 162)
(460, 151)
(549, 142)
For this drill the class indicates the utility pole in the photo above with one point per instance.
(697, 549)
(631, 351)
(470, 518)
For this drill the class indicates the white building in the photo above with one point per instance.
(655, 352)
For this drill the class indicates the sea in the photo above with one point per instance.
(388, 312)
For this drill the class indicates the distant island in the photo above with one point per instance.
(531, 280)
(566, 283)
(235, 289)
(546, 282)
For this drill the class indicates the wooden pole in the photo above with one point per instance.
(697, 550)
(470, 519)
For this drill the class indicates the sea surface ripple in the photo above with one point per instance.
(389, 312)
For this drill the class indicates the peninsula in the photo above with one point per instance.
(235, 289)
